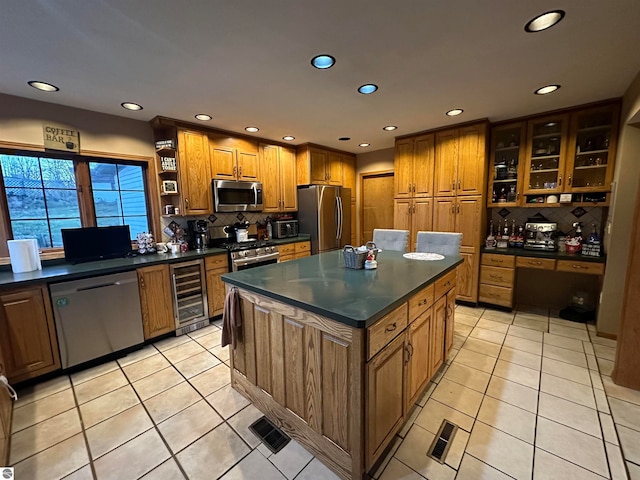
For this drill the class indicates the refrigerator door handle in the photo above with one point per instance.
(339, 229)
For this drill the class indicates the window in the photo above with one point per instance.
(42, 196)
(118, 196)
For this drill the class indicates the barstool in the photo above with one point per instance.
(444, 243)
(387, 239)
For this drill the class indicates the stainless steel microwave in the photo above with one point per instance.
(233, 196)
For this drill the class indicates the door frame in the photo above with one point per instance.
(359, 204)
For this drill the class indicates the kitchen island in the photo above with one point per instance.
(337, 357)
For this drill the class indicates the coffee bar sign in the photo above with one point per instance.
(60, 138)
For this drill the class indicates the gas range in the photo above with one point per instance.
(253, 253)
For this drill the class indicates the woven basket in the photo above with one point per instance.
(354, 259)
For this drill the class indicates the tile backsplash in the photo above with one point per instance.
(563, 216)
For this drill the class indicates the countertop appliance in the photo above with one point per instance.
(96, 316)
(198, 234)
(324, 212)
(242, 255)
(285, 228)
(233, 196)
(540, 236)
(96, 243)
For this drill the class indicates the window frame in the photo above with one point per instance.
(83, 188)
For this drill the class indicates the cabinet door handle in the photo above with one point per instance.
(569, 180)
(413, 189)
(410, 188)
(458, 184)
(458, 208)
(559, 180)
(391, 328)
(453, 185)
(453, 208)
(142, 285)
(235, 171)
(240, 171)
(186, 203)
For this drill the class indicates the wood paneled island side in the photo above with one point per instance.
(336, 357)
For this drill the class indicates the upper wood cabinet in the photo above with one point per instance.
(413, 167)
(278, 165)
(234, 159)
(506, 169)
(156, 304)
(349, 175)
(194, 173)
(27, 333)
(460, 160)
(318, 166)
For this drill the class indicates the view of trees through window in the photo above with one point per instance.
(42, 197)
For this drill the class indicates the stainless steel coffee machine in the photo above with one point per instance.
(541, 236)
(198, 234)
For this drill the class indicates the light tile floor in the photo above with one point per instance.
(530, 392)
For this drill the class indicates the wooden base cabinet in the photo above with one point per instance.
(342, 392)
(27, 333)
(156, 297)
(215, 266)
(6, 407)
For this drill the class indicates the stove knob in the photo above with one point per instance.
(242, 253)
(268, 249)
(258, 251)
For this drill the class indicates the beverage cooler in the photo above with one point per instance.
(189, 296)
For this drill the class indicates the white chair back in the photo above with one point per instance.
(444, 243)
(387, 239)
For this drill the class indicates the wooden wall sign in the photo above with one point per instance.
(60, 138)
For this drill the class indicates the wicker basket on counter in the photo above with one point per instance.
(354, 259)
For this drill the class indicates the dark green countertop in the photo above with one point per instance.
(322, 284)
(303, 237)
(58, 271)
(521, 252)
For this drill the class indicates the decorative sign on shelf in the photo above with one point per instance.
(169, 143)
(61, 138)
(168, 164)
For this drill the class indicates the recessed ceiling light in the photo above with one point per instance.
(45, 87)
(288, 138)
(204, 117)
(367, 88)
(390, 128)
(323, 61)
(544, 21)
(131, 106)
(547, 89)
(344, 139)
(364, 144)
(252, 129)
(455, 112)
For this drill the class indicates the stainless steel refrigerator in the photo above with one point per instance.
(324, 212)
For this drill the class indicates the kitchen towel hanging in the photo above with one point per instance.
(24, 255)
(231, 318)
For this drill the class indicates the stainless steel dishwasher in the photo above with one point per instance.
(96, 316)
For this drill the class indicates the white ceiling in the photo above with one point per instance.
(246, 62)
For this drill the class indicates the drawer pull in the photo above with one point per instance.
(579, 266)
(448, 283)
(422, 302)
(531, 262)
(391, 328)
(497, 260)
(493, 295)
(496, 277)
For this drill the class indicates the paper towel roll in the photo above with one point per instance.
(24, 255)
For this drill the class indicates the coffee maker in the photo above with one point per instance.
(198, 234)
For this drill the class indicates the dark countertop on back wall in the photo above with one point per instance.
(521, 252)
(322, 284)
(60, 271)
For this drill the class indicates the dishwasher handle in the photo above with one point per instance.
(102, 285)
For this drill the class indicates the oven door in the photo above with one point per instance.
(238, 264)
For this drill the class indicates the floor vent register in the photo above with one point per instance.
(440, 446)
(274, 438)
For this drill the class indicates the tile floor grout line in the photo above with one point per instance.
(84, 430)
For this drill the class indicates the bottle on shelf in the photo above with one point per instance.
(513, 238)
(503, 239)
(520, 237)
(490, 242)
(512, 171)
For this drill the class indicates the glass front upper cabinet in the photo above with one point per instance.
(508, 148)
(592, 152)
(545, 162)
